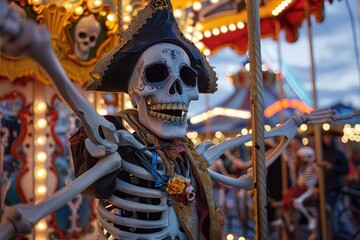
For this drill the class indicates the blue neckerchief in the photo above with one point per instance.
(160, 179)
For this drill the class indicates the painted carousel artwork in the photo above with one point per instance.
(14, 114)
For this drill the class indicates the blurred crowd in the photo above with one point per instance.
(293, 187)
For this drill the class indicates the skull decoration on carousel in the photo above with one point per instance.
(162, 86)
(306, 154)
(87, 31)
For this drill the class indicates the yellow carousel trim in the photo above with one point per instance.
(61, 19)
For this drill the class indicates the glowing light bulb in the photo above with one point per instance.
(127, 19)
(41, 123)
(111, 17)
(244, 131)
(303, 127)
(216, 31)
(232, 27)
(41, 140)
(40, 238)
(79, 10)
(240, 25)
(326, 126)
(207, 34)
(41, 156)
(218, 134)
(36, 2)
(41, 226)
(229, 237)
(305, 141)
(128, 8)
(40, 107)
(98, 3)
(207, 52)
(177, 13)
(224, 29)
(40, 173)
(196, 6)
(41, 190)
(267, 127)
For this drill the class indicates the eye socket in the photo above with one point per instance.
(92, 38)
(156, 73)
(82, 35)
(188, 76)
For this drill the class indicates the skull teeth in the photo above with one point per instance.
(174, 112)
(168, 106)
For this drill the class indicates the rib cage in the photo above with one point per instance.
(137, 210)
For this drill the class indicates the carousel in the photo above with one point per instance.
(36, 122)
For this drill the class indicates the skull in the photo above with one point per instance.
(161, 87)
(306, 154)
(86, 33)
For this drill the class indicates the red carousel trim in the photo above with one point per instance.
(22, 115)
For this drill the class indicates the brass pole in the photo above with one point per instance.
(257, 121)
(280, 78)
(282, 117)
(207, 121)
(317, 132)
(284, 176)
(119, 11)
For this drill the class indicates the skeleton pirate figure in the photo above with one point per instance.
(169, 194)
(151, 182)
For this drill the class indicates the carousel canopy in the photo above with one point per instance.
(234, 112)
(216, 24)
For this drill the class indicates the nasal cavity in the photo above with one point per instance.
(176, 88)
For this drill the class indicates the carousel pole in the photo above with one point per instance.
(284, 177)
(280, 76)
(284, 173)
(119, 11)
(317, 132)
(257, 120)
(207, 121)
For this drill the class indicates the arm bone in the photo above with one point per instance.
(288, 130)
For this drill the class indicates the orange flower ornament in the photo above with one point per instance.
(180, 188)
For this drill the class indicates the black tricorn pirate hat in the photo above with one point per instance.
(154, 24)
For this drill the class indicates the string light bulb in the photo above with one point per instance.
(41, 123)
(79, 10)
(41, 156)
(196, 6)
(41, 190)
(40, 173)
(40, 107)
(41, 226)
(41, 140)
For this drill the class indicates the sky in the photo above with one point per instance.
(337, 76)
